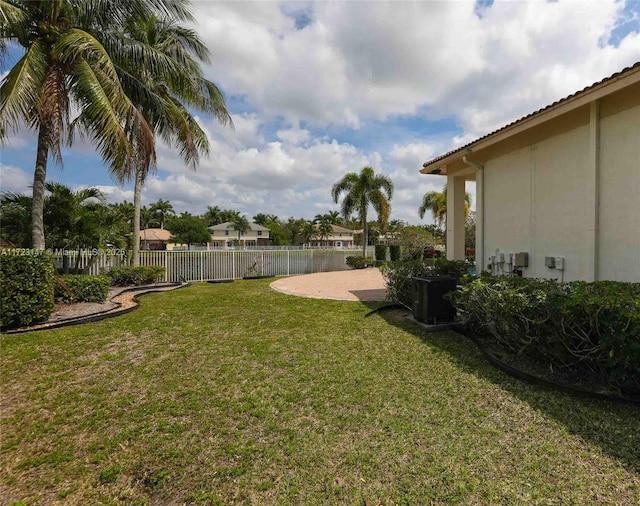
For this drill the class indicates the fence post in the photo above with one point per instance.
(166, 265)
(201, 266)
(288, 262)
(233, 264)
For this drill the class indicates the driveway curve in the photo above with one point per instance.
(360, 284)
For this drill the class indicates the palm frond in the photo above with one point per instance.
(20, 90)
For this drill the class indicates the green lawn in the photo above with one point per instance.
(235, 394)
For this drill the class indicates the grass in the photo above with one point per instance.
(235, 394)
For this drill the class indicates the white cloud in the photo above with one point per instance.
(305, 92)
(363, 60)
(14, 179)
(411, 156)
(294, 135)
(115, 193)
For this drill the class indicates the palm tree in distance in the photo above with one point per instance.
(325, 230)
(260, 219)
(240, 225)
(308, 231)
(68, 62)
(230, 215)
(436, 202)
(361, 191)
(213, 216)
(162, 209)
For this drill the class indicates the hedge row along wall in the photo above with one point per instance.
(589, 329)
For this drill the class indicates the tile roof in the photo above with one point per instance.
(612, 77)
(155, 234)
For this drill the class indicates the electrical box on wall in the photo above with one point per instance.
(521, 260)
(550, 262)
(559, 263)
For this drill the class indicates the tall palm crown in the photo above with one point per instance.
(240, 225)
(361, 191)
(436, 202)
(68, 61)
(163, 91)
(162, 209)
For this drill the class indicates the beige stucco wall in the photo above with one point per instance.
(250, 235)
(537, 198)
(619, 245)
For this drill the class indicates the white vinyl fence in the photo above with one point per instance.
(219, 265)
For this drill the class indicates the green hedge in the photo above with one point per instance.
(84, 288)
(590, 329)
(358, 262)
(381, 252)
(394, 252)
(398, 275)
(26, 282)
(128, 275)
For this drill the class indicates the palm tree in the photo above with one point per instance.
(308, 231)
(436, 202)
(68, 63)
(162, 210)
(213, 216)
(324, 229)
(361, 191)
(260, 219)
(241, 225)
(229, 215)
(162, 91)
(294, 229)
(15, 216)
(147, 219)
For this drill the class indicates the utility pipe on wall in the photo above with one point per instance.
(480, 260)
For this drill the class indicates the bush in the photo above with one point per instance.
(27, 288)
(128, 275)
(394, 252)
(590, 329)
(359, 262)
(381, 252)
(398, 275)
(83, 288)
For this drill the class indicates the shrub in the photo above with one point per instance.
(587, 328)
(381, 252)
(129, 275)
(398, 275)
(394, 252)
(27, 288)
(359, 262)
(84, 288)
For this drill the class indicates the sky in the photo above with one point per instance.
(320, 89)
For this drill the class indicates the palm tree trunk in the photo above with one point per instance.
(365, 233)
(137, 197)
(39, 179)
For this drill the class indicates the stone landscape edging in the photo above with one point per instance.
(103, 314)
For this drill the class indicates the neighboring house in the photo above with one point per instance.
(560, 184)
(225, 235)
(155, 239)
(340, 238)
